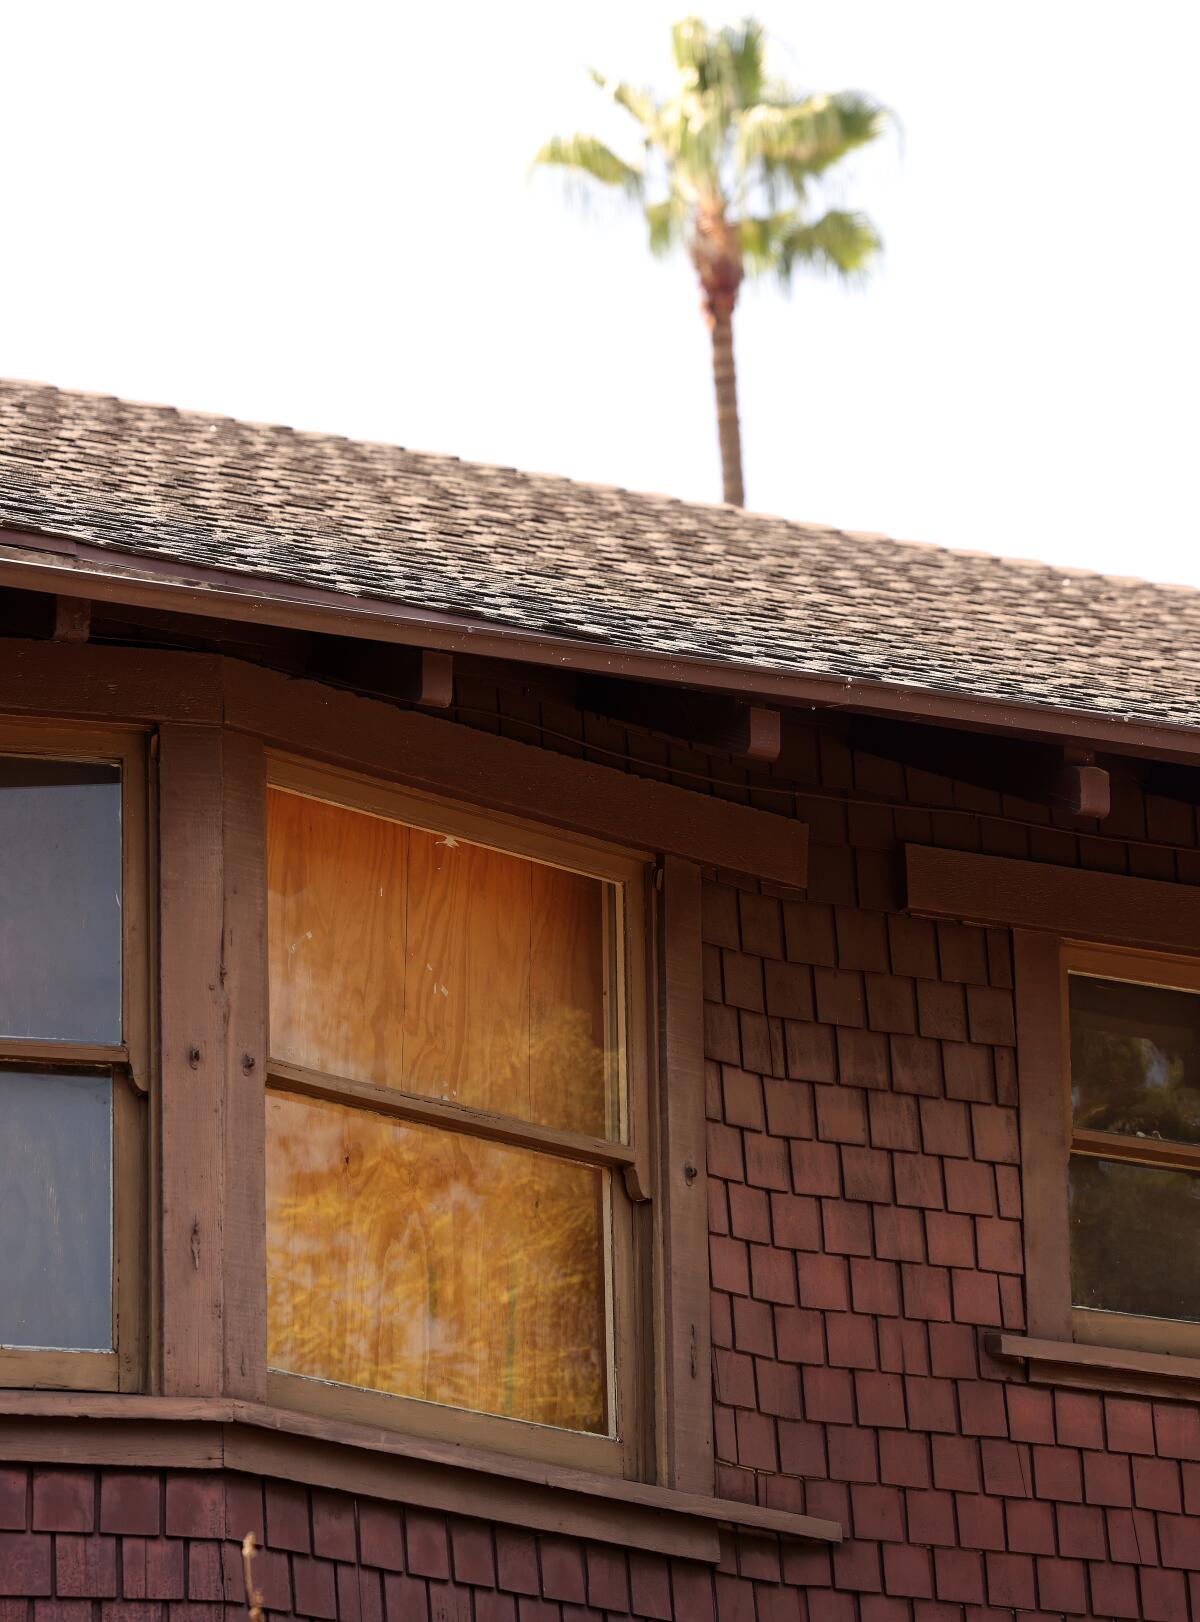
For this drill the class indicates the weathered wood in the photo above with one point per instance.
(711, 722)
(1104, 1368)
(1065, 900)
(486, 770)
(86, 682)
(72, 619)
(1044, 1115)
(244, 1284)
(408, 675)
(193, 1057)
(1066, 778)
(683, 1296)
(94, 1428)
(1083, 787)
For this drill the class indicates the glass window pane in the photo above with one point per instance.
(1135, 1059)
(60, 900)
(1135, 1238)
(56, 1211)
(424, 962)
(434, 1265)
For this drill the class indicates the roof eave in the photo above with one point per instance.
(70, 568)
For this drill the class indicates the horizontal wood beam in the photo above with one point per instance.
(443, 757)
(84, 682)
(709, 722)
(1066, 901)
(197, 1432)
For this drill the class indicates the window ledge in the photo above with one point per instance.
(1105, 1368)
(221, 1433)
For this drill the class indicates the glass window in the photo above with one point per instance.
(60, 842)
(420, 961)
(69, 1107)
(435, 1265)
(1134, 1188)
(56, 1210)
(447, 1065)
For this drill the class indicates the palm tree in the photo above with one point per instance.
(727, 167)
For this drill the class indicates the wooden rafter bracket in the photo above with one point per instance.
(72, 619)
(710, 722)
(423, 676)
(1066, 778)
(1084, 787)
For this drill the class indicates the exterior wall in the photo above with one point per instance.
(165, 1546)
(866, 1234)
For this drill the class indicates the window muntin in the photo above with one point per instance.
(74, 1056)
(1134, 1148)
(535, 948)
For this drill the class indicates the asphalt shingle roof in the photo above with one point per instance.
(546, 555)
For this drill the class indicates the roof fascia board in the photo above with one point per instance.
(72, 568)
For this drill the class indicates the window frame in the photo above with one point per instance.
(630, 1163)
(1049, 1137)
(128, 1062)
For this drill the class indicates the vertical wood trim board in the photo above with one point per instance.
(243, 948)
(1044, 1129)
(687, 1361)
(192, 1026)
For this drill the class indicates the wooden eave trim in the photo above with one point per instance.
(71, 568)
(445, 758)
(305, 718)
(1106, 1367)
(1065, 901)
(60, 1427)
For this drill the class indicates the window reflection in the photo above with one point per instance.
(1135, 1059)
(431, 1264)
(420, 961)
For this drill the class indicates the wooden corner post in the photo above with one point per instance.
(685, 1440)
(212, 1063)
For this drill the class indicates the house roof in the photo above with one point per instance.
(554, 558)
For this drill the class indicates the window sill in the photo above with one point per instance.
(1104, 1368)
(220, 1433)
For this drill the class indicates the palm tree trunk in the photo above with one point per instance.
(729, 433)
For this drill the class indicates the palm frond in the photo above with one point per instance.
(586, 155)
(743, 49)
(806, 136)
(666, 223)
(639, 104)
(839, 243)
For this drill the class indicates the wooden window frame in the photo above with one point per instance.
(128, 1063)
(628, 1453)
(1049, 1138)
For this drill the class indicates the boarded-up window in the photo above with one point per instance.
(447, 1065)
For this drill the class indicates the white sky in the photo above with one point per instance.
(322, 215)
